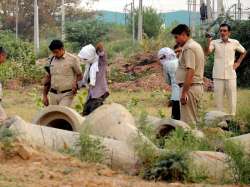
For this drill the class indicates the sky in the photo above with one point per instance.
(160, 5)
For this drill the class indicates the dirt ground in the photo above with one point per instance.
(50, 169)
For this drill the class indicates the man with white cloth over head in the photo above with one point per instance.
(170, 63)
(95, 76)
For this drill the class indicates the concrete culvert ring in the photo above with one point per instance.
(59, 117)
(163, 127)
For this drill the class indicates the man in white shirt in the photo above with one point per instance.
(3, 115)
(224, 74)
(170, 62)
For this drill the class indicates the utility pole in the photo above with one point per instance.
(17, 17)
(63, 20)
(193, 18)
(209, 11)
(133, 19)
(220, 7)
(140, 21)
(36, 28)
(239, 10)
(189, 12)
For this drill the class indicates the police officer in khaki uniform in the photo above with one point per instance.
(189, 74)
(63, 73)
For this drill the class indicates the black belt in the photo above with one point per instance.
(54, 91)
(193, 84)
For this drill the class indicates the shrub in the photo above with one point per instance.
(91, 149)
(239, 162)
(168, 167)
(21, 60)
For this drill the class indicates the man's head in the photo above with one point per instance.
(225, 31)
(181, 34)
(57, 48)
(177, 50)
(3, 55)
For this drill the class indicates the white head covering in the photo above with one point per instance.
(88, 54)
(168, 53)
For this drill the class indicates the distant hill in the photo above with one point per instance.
(181, 16)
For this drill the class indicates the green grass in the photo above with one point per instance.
(22, 102)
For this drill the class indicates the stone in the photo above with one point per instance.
(215, 117)
(24, 151)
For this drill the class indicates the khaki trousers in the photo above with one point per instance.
(64, 99)
(224, 87)
(3, 115)
(190, 113)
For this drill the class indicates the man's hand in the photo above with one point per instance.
(170, 103)
(74, 88)
(45, 100)
(236, 65)
(184, 98)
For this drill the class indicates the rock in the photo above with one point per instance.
(213, 165)
(215, 117)
(197, 133)
(243, 140)
(24, 151)
(106, 172)
(60, 117)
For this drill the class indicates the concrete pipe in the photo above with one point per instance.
(114, 121)
(59, 117)
(163, 127)
(213, 165)
(117, 154)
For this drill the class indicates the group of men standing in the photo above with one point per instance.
(189, 72)
(183, 69)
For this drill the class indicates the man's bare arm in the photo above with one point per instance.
(241, 58)
(207, 49)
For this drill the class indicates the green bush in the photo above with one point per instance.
(84, 32)
(91, 149)
(21, 60)
(239, 162)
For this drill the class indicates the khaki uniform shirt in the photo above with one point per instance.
(64, 71)
(193, 57)
(225, 57)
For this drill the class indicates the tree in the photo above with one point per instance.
(84, 32)
(49, 14)
(152, 22)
